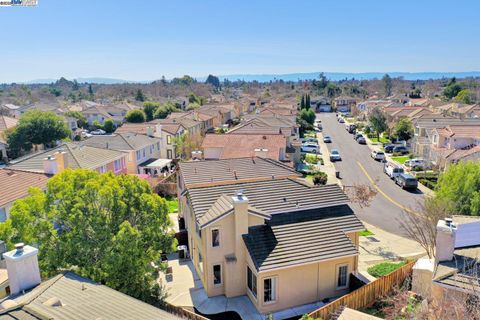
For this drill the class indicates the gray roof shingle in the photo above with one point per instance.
(123, 141)
(307, 236)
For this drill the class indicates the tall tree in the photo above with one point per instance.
(105, 227)
(108, 126)
(213, 80)
(302, 102)
(38, 127)
(139, 96)
(81, 119)
(135, 116)
(378, 121)
(387, 85)
(403, 129)
(75, 85)
(149, 108)
(90, 91)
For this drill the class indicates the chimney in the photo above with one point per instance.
(445, 241)
(261, 152)
(50, 165)
(62, 160)
(196, 155)
(150, 131)
(158, 130)
(22, 268)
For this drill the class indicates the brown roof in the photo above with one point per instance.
(15, 184)
(140, 128)
(460, 131)
(7, 123)
(242, 145)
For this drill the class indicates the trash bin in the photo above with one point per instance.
(337, 174)
(182, 252)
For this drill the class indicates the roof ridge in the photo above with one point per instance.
(73, 156)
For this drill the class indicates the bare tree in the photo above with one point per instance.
(421, 224)
(360, 194)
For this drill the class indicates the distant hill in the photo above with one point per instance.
(88, 80)
(335, 76)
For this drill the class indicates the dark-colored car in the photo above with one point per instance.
(406, 181)
(357, 135)
(361, 140)
(389, 148)
(400, 149)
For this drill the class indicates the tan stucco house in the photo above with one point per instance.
(254, 229)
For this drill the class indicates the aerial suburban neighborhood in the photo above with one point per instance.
(217, 182)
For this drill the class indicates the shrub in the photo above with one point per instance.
(384, 268)
(417, 168)
(135, 116)
(320, 178)
(311, 158)
(397, 154)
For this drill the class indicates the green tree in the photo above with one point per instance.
(459, 185)
(332, 90)
(320, 178)
(149, 108)
(387, 85)
(378, 121)
(452, 90)
(55, 91)
(307, 115)
(97, 125)
(139, 96)
(135, 116)
(214, 81)
(465, 96)
(403, 129)
(307, 100)
(193, 98)
(75, 85)
(109, 126)
(302, 103)
(186, 80)
(105, 227)
(81, 119)
(38, 127)
(164, 110)
(17, 142)
(90, 91)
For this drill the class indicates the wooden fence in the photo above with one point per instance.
(367, 294)
(182, 313)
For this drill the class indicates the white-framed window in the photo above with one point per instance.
(117, 165)
(342, 276)
(169, 154)
(217, 274)
(169, 139)
(215, 237)
(102, 169)
(251, 282)
(269, 290)
(139, 155)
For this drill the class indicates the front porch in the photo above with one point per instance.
(185, 289)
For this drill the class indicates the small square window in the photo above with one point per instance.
(269, 290)
(217, 274)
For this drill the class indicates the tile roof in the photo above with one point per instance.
(183, 121)
(304, 237)
(140, 128)
(122, 141)
(431, 121)
(208, 172)
(80, 299)
(78, 156)
(241, 145)
(269, 196)
(15, 184)
(461, 131)
(7, 123)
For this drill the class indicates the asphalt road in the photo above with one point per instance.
(357, 167)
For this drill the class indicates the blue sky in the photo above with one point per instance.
(143, 40)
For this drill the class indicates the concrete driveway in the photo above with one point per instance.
(357, 167)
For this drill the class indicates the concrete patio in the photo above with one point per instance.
(185, 289)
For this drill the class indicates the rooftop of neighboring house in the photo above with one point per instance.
(468, 108)
(11, 106)
(7, 123)
(78, 156)
(125, 141)
(345, 98)
(419, 102)
(351, 314)
(263, 124)
(431, 121)
(139, 128)
(15, 184)
(70, 296)
(305, 236)
(240, 145)
(183, 121)
(406, 111)
(454, 155)
(276, 110)
(463, 272)
(213, 172)
(460, 131)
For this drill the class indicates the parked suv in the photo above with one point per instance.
(361, 140)
(400, 149)
(389, 148)
(415, 162)
(378, 155)
(392, 170)
(406, 181)
(357, 135)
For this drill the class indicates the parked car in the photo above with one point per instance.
(98, 132)
(389, 148)
(415, 162)
(406, 181)
(310, 147)
(327, 139)
(378, 155)
(392, 170)
(350, 128)
(341, 120)
(361, 140)
(357, 135)
(335, 155)
(400, 149)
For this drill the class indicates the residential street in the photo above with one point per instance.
(357, 167)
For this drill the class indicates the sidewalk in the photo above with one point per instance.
(384, 246)
(328, 167)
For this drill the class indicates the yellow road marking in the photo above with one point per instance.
(381, 191)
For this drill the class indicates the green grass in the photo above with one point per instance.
(172, 203)
(384, 268)
(381, 140)
(366, 233)
(310, 134)
(401, 159)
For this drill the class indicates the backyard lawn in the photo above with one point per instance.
(401, 159)
(384, 268)
(172, 203)
(365, 233)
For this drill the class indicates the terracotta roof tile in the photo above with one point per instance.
(15, 184)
